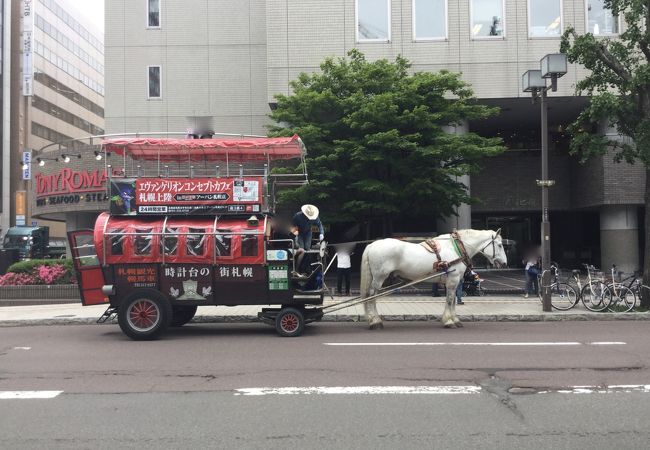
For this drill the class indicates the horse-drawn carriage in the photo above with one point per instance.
(191, 223)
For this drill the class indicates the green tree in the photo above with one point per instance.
(375, 138)
(619, 87)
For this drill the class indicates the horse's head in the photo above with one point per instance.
(493, 249)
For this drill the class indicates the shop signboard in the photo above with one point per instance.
(186, 196)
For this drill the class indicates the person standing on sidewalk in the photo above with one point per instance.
(343, 267)
(531, 271)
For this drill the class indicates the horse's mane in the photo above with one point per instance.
(466, 232)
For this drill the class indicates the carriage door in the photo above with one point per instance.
(86, 265)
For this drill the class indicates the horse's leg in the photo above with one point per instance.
(449, 315)
(374, 319)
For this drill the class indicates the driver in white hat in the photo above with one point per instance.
(303, 221)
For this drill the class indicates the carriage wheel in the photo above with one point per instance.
(144, 315)
(290, 322)
(181, 315)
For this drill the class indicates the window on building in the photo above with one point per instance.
(223, 243)
(600, 20)
(154, 82)
(488, 18)
(544, 18)
(429, 19)
(153, 13)
(373, 20)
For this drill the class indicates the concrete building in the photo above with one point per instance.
(56, 85)
(172, 62)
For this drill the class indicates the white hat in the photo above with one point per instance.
(310, 211)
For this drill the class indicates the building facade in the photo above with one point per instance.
(172, 64)
(57, 95)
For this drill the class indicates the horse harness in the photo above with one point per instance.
(432, 246)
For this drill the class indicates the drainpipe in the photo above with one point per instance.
(5, 221)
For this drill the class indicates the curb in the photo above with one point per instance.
(582, 317)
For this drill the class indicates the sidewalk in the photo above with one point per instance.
(403, 308)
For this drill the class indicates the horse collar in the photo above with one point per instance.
(460, 248)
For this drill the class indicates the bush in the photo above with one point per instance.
(31, 265)
(39, 272)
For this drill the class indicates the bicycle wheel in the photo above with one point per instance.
(621, 298)
(593, 296)
(563, 296)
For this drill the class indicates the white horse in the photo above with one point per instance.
(413, 261)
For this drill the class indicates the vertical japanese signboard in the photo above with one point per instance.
(28, 47)
(20, 208)
(27, 165)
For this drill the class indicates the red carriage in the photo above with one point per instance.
(191, 224)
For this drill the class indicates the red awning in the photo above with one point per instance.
(171, 150)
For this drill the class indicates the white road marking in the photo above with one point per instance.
(26, 395)
(359, 390)
(612, 389)
(22, 348)
(488, 344)
(608, 343)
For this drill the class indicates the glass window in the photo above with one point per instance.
(153, 13)
(249, 245)
(142, 243)
(373, 20)
(545, 18)
(169, 242)
(223, 244)
(195, 241)
(117, 242)
(600, 19)
(154, 81)
(487, 18)
(430, 19)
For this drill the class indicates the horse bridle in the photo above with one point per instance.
(492, 242)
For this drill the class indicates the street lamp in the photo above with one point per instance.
(552, 66)
(66, 158)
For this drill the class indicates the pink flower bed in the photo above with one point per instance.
(55, 274)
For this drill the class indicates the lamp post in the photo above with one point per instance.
(552, 66)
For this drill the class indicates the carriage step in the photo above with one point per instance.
(108, 315)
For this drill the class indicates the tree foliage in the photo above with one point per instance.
(618, 84)
(619, 87)
(376, 140)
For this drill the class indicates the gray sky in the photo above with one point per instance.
(93, 10)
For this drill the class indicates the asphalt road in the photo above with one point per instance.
(515, 385)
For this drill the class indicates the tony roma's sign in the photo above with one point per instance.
(69, 186)
(184, 196)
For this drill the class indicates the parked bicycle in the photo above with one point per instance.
(563, 295)
(620, 297)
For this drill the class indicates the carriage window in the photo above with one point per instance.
(224, 244)
(169, 242)
(142, 243)
(117, 241)
(249, 245)
(195, 242)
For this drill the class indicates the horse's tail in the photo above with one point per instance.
(366, 274)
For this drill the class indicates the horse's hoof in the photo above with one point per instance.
(459, 324)
(450, 324)
(376, 326)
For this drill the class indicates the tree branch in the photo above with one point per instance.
(643, 43)
(608, 59)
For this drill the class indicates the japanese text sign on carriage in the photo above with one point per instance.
(197, 177)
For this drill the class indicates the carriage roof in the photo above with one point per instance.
(179, 150)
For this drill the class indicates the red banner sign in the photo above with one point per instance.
(186, 196)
